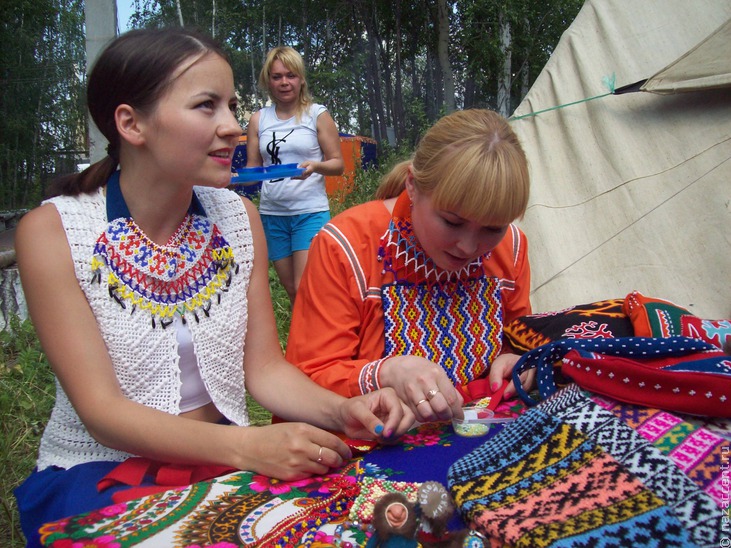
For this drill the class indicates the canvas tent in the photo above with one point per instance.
(632, 191)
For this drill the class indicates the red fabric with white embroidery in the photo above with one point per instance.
(702, 388)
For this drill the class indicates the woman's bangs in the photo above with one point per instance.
(483, 190)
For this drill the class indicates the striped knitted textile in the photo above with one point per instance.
(542, 481)
(661, 464)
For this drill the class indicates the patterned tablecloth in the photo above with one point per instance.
(247, 509)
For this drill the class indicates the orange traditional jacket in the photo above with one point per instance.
(337, 325)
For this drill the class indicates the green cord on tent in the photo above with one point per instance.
(608, 81)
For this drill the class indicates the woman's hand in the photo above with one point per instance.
(379, 414)
(423, 386)
(309, 167)
(328, 167)
(291, 451)
(502, 368)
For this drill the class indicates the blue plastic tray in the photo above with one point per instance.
(254, 174)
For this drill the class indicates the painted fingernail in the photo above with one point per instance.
(379, 429)
(494, 386)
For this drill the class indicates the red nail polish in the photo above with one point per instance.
(494, 387)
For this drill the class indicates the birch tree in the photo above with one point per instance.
(443, 52)
(505, 79)
(180, 13)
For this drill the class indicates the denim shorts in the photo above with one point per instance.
(290, 233)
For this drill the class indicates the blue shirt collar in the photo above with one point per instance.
(117, 207)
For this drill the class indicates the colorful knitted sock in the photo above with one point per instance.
(541, 482)
(694, 508)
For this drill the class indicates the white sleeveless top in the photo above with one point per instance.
(193, 392)
(290, 142)
(142, 344)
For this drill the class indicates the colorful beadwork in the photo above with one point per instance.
(368, 379)
(453, 318)
(470, 429)
(457, 325)
(184, 276)
(372, 489)
(400, 253)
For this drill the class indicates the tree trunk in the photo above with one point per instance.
(433, 96)
(387, 85)
(180, 13)
(379, 115)
(213, 18)
(264, 47)
(443, 53)
(279, 32)
(377, 109)
(248, 32)
(12, 298)
(434, 99)
(305, 32)
(524, 81)
(469, 92)
(504, 78)
(525, 70)
(398, 102)
(255, 92)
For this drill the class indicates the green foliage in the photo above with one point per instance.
(26, 397)
(536, 28)
(281, 304)
(367, 181)
(373, 63)
(258, 416)
(42, 114)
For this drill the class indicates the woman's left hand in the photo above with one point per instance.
(502, 368)
(328, 167)
(380, 414)
(309, 167)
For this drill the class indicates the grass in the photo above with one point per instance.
(27, 388)
(26, 397)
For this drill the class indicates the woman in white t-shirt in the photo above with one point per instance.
(293, 130)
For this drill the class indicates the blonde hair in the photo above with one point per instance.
(293, 62)
(470, 162)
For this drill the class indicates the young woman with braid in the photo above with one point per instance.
(147, 282)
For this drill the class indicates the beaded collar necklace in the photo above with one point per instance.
(183, 277)
(402, 255)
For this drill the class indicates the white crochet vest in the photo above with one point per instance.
(145, 358)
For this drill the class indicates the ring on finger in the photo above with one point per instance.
(319, 455)
(421, 401)
(433, 392)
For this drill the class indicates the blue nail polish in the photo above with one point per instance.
(379, 429)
